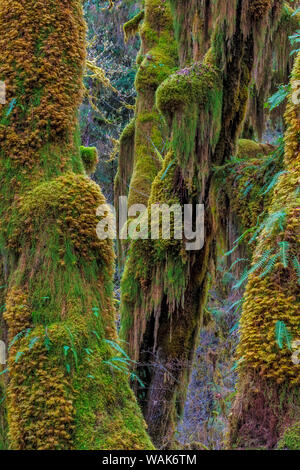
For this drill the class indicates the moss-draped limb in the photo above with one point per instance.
(131, 27)
(156, 60)
(269, 379)
(62, 391)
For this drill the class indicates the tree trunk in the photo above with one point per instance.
(63, 390)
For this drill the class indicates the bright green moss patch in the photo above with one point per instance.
(155, 67)
(189, 85)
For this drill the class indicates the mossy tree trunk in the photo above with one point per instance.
(267, 408)
(62, 391)
(204, 103)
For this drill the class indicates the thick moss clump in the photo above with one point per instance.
(186, 86)
(131, 27)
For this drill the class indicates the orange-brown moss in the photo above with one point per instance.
(40, 402)
(61, 394)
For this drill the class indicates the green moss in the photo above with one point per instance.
(291, 438)
(246, 180)
(148, 138)
(61, 394)
(155, 67)
(128, 131)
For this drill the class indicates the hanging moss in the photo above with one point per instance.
(63, 391)
(277, 57)
(192, 100)
(271, 297)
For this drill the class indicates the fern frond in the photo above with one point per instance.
(278, 97)
(262, 261)
(273, 182)
(241, 281)
(270, 265)
(277, 218)
(297, 267)
(237, 261)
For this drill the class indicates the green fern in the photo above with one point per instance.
(275, 100)
(258, 265)
(262, 261)
(117, 347)
(237, 261)
(284, 253)
(241, 281)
